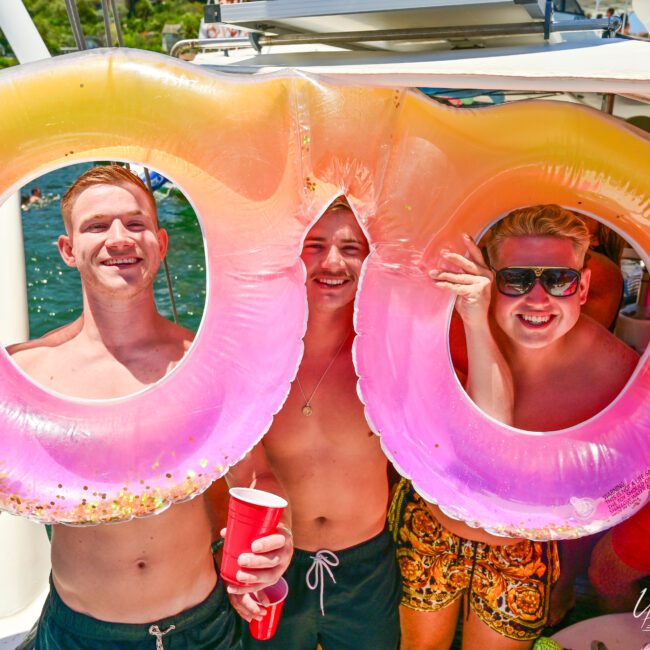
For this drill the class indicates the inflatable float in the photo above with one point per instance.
(260, 159)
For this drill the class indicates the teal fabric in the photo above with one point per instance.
(361, 607)
(211, 625)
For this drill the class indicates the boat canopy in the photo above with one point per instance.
(616, 65)
(512, 45)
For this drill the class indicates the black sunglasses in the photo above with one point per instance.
(558, 281)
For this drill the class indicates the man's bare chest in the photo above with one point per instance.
(336, 429)
(558, 402)
(94, 376)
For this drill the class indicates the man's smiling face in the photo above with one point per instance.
(113, 239)
(334, 251)
(536, 319)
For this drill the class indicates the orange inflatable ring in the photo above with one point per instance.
(261, 158)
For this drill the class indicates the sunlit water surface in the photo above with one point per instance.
(54, 290)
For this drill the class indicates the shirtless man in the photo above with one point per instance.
(148, 583)
(553, 352)
(343, 581)
(35, 197)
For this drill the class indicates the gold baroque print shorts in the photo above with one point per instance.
(508, 587)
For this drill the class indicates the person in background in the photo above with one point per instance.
(35, 197)
(625, 24)
(606, 286)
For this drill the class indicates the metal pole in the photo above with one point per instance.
(168, 276)
(608, 104)
(187, 44)
(118, 24)
(14, 320)
(20, 31)
(107, 24)
(75, 24)
(24, 549)
(425, 33)
(434, 33)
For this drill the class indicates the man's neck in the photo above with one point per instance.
(326, 331)
(118, 324)
(526, 361)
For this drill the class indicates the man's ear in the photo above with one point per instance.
(64, 245)
(163, 242)
(585, 278)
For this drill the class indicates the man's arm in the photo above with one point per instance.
(271, 554)
(489, 380)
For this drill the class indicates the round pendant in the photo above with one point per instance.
(307, 410)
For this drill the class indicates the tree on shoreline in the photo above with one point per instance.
(142, 23)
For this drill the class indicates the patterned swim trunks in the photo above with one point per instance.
(508, 587)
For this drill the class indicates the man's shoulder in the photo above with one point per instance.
(186, 334)
(177, 334)
(25, 354)
(39, 350)
(51, 339)
(606, 349)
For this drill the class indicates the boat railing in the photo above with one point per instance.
(257, 40)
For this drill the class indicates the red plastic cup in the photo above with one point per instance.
(265, 628)
(251, 514)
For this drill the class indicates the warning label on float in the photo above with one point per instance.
(626, 494)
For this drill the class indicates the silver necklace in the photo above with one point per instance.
(307, 409)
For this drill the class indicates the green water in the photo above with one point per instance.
(54, 290)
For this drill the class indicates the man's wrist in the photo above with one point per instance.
(476, 324)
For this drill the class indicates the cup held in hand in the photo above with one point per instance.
(251, 514)
(265, 628)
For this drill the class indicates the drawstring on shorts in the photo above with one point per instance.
(315, 576)
(154, 630)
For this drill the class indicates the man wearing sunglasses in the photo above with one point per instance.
(553, 350)
(565, 368)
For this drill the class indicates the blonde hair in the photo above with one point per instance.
(101, 175)
(547, 220)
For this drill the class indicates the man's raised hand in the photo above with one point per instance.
(471, 282)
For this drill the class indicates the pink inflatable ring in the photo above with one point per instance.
(86, 462)
(262, 159)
